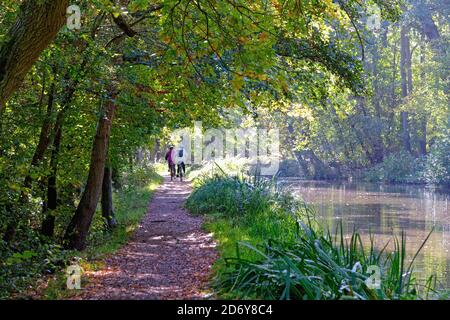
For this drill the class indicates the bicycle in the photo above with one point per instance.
(181, 169)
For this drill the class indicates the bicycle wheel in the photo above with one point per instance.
(180, 172)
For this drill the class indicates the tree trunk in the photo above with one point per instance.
(78, 228)
(157, 151)
(423, 136)
(107, 199)
(43, 143)
(394, 76)
(405, 58)
(372, 146)
(48, 225)
(377, 153)
(429, 28)
(390, 139)
(44, 137)
(36, 27)
(116, 179)
(423, 117)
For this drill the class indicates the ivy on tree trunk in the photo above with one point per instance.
(36, 27)
(77, 231)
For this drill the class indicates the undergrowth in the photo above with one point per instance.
(35, 267)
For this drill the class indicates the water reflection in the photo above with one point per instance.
(384, 211)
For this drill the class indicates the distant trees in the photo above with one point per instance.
(405, 109)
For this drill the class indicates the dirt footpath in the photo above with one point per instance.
(169, 256)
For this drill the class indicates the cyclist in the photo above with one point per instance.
(180, 159)
(170, 158)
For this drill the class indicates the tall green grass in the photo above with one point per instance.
(272, 248)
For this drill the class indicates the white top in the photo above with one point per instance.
(177, 157)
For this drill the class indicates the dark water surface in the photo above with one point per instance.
(384, 211)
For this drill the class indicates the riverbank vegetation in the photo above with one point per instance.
(271, 247)
(402, 167)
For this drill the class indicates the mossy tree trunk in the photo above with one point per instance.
(405, 65)
(77, 231)
(107, 196)
(36, 27)
(48, 225)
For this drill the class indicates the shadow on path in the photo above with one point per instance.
(169, 256)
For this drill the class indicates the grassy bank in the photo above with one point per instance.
(271, 248)
(41, 275)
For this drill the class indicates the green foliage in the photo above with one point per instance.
(22, 265)
(400, 167)
(271, 248)
(437, 163)
(348, 133)
(319, 267)
(231, 197)
(35, 257)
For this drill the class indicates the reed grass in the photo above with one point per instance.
(272, 247)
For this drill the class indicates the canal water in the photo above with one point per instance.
(385, 211)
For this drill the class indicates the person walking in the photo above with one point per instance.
(171, 162)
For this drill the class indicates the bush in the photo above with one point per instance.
(437, 165)
(27, 261)
(230, 166)
(231, 196)
(402, 167)
(399, 167)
